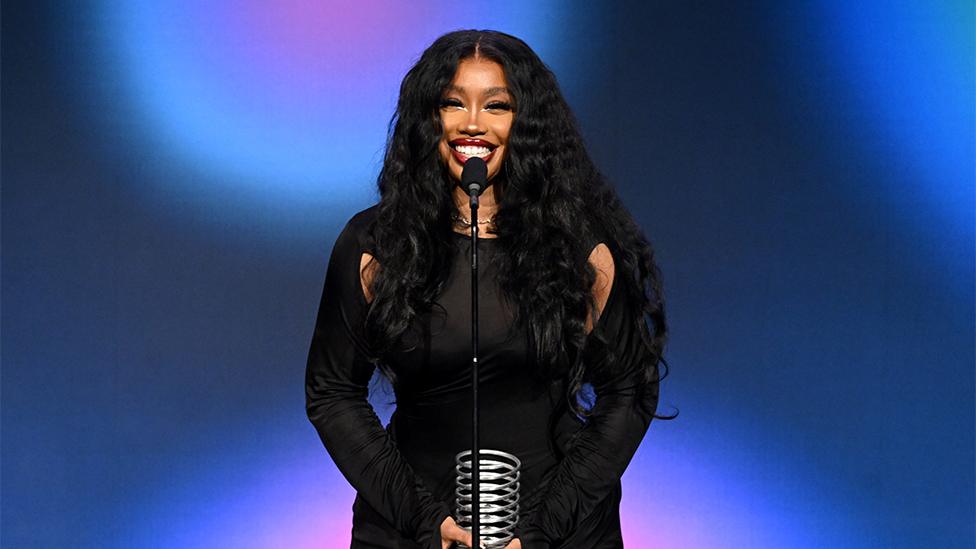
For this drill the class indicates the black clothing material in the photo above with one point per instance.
(404, 474)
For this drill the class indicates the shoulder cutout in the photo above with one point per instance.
(367, 267)
(602, 262)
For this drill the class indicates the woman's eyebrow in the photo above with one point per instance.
(498, 90)
(495, 91)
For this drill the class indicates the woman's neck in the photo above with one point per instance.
(486, 204)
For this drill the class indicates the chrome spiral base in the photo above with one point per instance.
(498, 495)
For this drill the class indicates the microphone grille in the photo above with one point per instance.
(475, 172)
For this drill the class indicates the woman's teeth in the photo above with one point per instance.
(470, 150)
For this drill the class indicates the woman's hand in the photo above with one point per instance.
(451, 532)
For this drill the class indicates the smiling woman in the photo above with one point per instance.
(568, 283)
(476, 115)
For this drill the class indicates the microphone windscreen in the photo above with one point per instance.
(475, 172)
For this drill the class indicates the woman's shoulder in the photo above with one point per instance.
(354, 237)
(360, 222)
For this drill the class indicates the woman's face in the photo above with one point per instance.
(476, 112)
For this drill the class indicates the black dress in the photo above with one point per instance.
(404, 474)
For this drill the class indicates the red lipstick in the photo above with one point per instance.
(471, 142)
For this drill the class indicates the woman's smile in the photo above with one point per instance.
(465, 148)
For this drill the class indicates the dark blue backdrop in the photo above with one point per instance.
(174, 174)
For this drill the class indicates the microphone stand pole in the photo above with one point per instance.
(475, 470)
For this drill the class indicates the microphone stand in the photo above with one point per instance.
(475, 470)
(501, 469)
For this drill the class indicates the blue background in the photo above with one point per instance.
(174, 174)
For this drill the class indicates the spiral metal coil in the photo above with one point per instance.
(498, 495)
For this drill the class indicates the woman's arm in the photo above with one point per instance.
(602, 261)
(603, 448)
(336, 381)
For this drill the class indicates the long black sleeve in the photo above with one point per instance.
(604, 446)
(336, 388)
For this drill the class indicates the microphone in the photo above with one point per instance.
(474, 176)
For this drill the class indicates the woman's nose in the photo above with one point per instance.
(473, 124)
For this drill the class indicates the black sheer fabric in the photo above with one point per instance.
(404, 474)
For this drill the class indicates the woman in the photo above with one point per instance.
(567, 282)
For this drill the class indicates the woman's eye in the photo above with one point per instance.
(498, 106)
(445, 103)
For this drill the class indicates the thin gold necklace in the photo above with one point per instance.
(464, 222)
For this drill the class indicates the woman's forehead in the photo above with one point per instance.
(479, 76)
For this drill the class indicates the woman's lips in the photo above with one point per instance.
(468, 142)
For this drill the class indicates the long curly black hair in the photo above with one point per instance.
(551, 200)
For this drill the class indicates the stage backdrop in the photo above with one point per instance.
(175, 173)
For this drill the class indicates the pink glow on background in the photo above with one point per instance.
(273, 486)
(276, 99)
(304, 50)
(676, 495)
